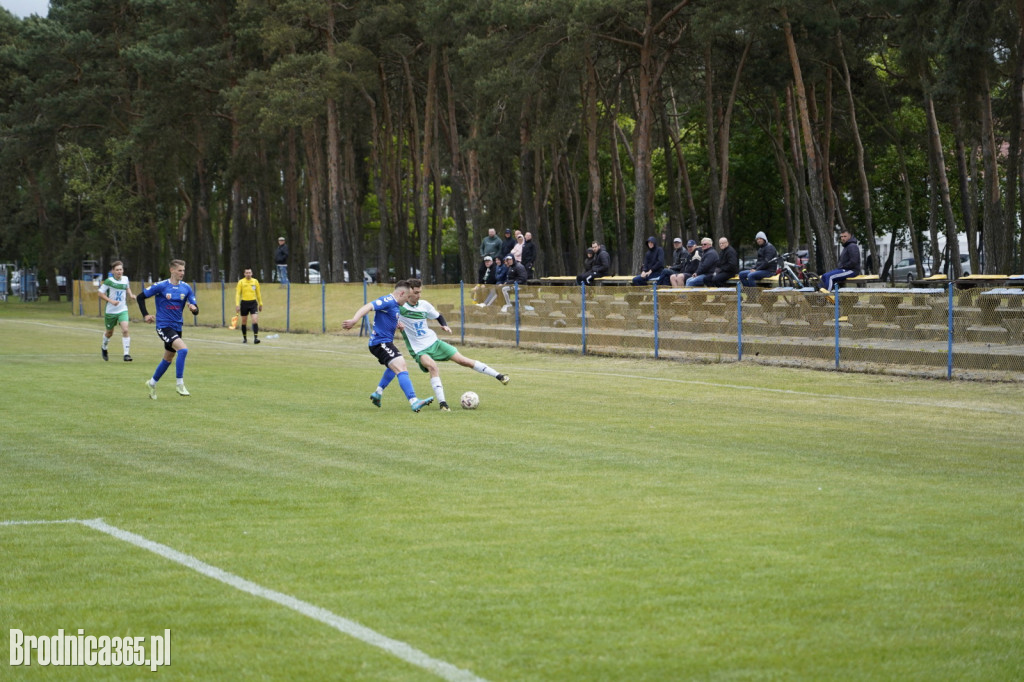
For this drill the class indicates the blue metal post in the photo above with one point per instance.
(835, 293)
(223, 319)
(288, 307)
(583, 315)
(654, 289)
(949, 350)
(323, 306)
(739, 320)
(195, 319)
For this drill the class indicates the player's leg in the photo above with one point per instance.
(385, 379)
(255, 328)
(179, 367)
(430, 364)
(245, 329)
(461, 359)
(126, 339)
(397, 365)
(108, 331)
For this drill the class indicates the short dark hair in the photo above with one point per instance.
(402, 284)
(414, 283)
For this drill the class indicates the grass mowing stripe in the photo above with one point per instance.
(401, 650)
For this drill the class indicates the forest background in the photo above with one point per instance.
(394, 134)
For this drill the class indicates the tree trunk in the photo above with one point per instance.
(935, 142)
(815, 185)
(998, 241)
(590, 95)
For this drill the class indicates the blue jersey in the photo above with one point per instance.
(170, 302)
(385, 320)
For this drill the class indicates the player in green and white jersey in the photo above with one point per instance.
(427, 348)
(116, 291)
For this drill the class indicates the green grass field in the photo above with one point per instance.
(596, 519)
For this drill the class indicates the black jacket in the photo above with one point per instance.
(654, 260)
(486, 274)
(602, 263)
(281, 255)
(849, 257)
(708, 262)
(516, 274)
(679, 258)
(767, 258)
(692, 263)
(529, 253)
(728, 263)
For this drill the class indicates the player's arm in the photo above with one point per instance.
(259, 296)
(102, 294)
(443, 323)
(192, 305)
(238, 295)
(141, 298)
(360, 314)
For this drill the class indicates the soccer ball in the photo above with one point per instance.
(469, 400)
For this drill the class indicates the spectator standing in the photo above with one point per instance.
(491, 245)
(506, 245)
(529, 254)
(690, 267)
(654, 263)
(849, 262)
(517, 250)
(281, 261)
(708, 263)
(598, 265)
(679, 258)
(249, 301)
(765, 265)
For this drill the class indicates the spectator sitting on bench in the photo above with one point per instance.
(708, 263)
(598, 263)
(654, 263)
(516, 275)
(692, 263)
(486, 278)
(764, 266)
(679, 258)
(849, 262)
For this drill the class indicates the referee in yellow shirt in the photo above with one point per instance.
(249, 301)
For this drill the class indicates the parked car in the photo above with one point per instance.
(16, 282)
(965, 265)
(906, 270)
(313, 272)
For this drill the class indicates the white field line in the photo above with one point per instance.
(964, 406)
(398, 649)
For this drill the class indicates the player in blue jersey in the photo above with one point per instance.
(382, 341)
(171, 295)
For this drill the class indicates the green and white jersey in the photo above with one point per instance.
(417, 332)
(116, 289)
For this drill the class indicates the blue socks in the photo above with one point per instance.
(160, 369)
(179, 367)
(406, 383)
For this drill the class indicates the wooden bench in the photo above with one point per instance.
(860, 280)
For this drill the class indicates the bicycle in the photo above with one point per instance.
(792, 273)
